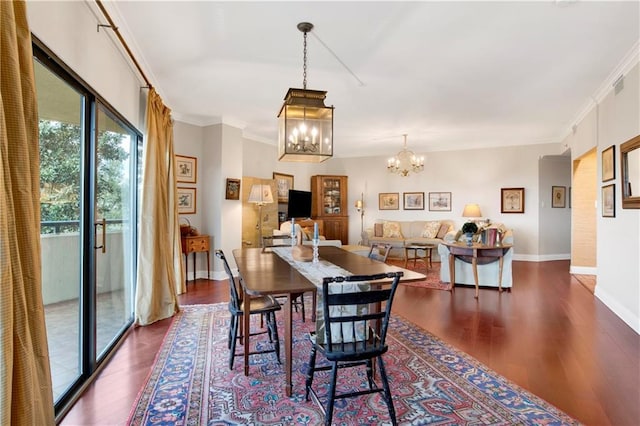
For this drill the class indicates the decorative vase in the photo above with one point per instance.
(469, 238)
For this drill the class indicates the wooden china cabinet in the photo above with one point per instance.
(329, 203)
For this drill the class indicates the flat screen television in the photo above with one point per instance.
(299, 204)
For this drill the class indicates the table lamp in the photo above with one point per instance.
(471, 211)
(260, 195)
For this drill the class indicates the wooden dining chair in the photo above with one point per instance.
(379, 251)
(354, 335)
(263, 305)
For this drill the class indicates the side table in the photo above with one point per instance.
(428, 250)
(476, 253)
(195, 244)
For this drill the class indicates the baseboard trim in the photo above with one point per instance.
(541, 258)
(631, 319)
(583, 270)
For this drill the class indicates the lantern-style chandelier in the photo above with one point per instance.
(305, 123)
(405, 162)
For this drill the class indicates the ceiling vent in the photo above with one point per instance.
(618, 85)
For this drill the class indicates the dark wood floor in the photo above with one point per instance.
(550, 335)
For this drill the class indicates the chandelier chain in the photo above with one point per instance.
(304, 64)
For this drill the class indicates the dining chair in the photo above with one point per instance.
(353, 335)
(379, 251)
(263, 305)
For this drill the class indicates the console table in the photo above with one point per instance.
(194, 244)
(476, 253)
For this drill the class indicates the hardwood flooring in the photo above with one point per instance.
(549, 335)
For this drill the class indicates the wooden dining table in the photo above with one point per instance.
(265, 273)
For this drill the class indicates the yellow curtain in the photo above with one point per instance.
(160, 273)
(25, 377)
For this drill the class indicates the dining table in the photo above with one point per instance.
(266, 273)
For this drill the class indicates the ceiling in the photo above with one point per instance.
(451, 75)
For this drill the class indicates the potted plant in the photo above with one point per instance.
(469, 229)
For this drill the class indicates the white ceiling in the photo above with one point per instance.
(452, 75)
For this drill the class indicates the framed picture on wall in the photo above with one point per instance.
(186, 169)
(186, 200)
(609, 163)
(440, 201)
(389, 201)
(232, 190)
(609, 200)
(558, 196)
(512, 200)
(413, 200)
(283, 184)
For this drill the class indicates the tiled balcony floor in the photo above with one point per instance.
(63, 334)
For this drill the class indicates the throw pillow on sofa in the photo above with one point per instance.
(430, 229)
(391, 230)
(444, 228)
(377, 230)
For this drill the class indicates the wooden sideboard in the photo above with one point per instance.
(195, 244)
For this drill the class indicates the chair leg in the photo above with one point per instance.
(302, 305)
(272, 324)
(310, 372)
(332, 394)
(234, 338)
(233, 318)
(387, 391)
(372, 383)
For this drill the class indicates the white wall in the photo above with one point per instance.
(618, 253)
(68, 28)
(472, 176)
(554, 223)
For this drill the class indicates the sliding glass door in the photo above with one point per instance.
(89, 178)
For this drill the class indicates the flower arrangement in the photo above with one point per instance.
(469, 228)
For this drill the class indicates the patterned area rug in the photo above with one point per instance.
(431, 382)
(433, 274)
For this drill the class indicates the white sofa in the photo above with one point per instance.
(487, 273)
(410, 232)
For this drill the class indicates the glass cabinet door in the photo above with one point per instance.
(332, 196)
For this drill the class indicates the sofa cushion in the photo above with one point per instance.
(444, 228)
(377, 230)
(430, 229)
(391, 230)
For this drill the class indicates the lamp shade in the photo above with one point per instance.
(260, 194)
(359, 205)
(471, 210)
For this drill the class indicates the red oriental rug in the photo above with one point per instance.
(431, 382)
(433, 274)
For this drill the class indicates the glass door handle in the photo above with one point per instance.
(103, 224)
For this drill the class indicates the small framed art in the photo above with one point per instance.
(232, 191)
(609, 163)
(413, 200)
(609, 200)
(440, 201)
(283, 184)
(389, 201)
(186, 200)
(512, 200)
(186, 169)
(558, 196)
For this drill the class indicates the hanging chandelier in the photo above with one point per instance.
(405, 162)
(305, 124)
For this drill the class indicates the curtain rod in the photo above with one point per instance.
(124, 43)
